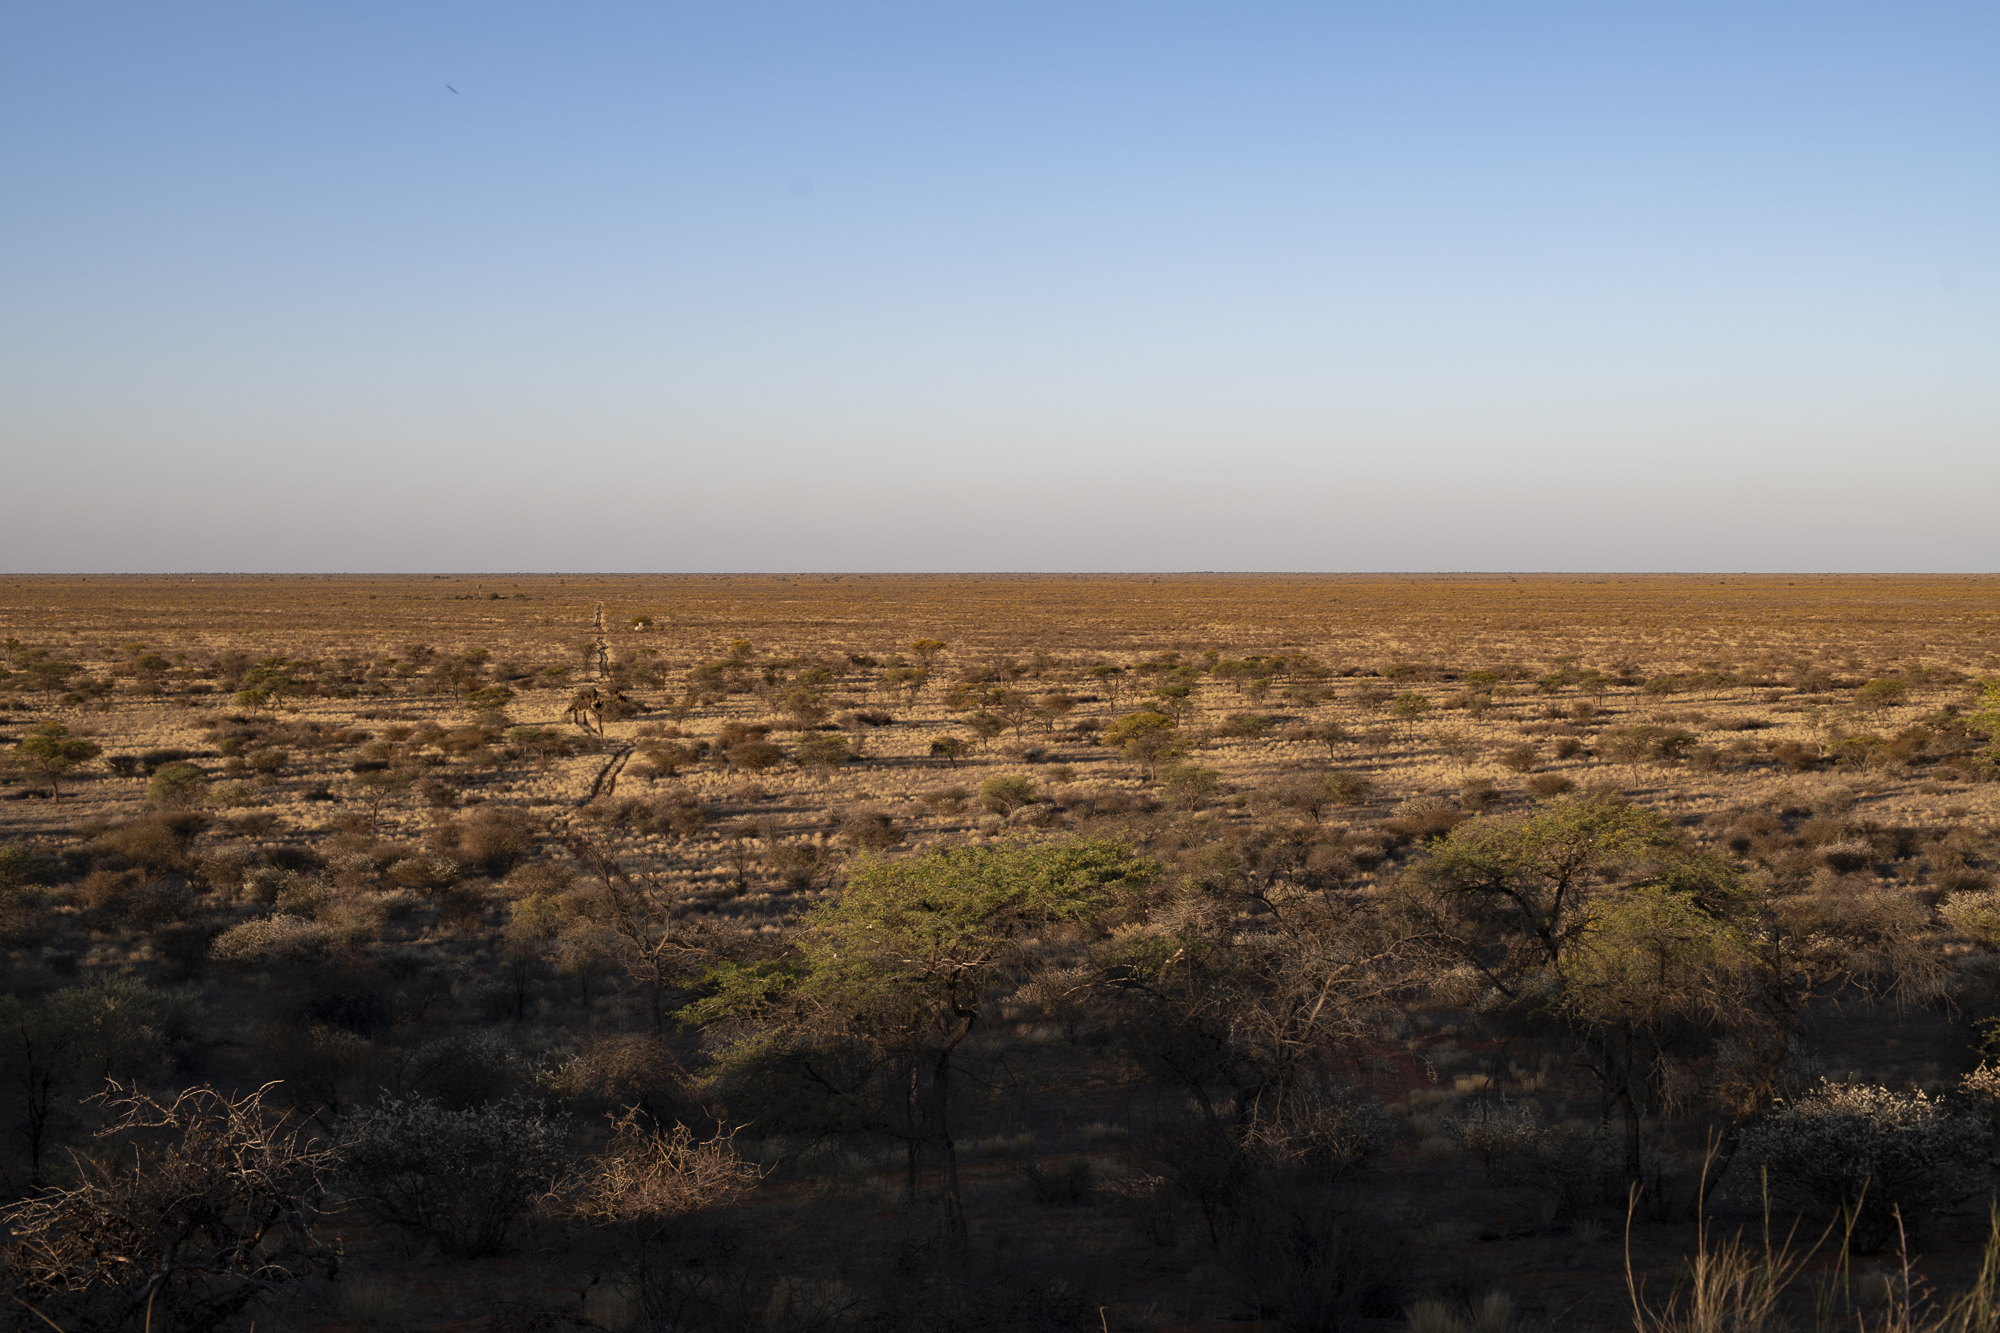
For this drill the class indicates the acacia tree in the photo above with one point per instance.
(50, 750)
(1595, 915)
(1272, 1007)
(69, 1040)
(1248, 987)
(890, 978)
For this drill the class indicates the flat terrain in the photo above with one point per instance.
(402, 741)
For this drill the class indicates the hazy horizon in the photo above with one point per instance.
(1027, 288)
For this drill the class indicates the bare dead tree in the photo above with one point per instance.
(180, 1237)
(638, 913)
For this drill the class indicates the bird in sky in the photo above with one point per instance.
(453, 89)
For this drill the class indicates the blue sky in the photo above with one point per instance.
(1021, 286)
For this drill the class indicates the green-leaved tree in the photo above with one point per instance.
(1598, 916)
(890, 978)
(50, 750)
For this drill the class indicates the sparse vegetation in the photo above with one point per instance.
(1002, 953)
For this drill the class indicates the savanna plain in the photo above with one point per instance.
(896, 953)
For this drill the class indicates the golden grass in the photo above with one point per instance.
(1664, 621)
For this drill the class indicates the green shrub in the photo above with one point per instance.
(1882, 693)
(1006, 794)
(1187, 786)
(822, 749)
(1249, 725)
(20, 866)
(178, 786)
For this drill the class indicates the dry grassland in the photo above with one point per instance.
(386, 729)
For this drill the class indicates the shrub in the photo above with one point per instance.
(1520, 759)
(679, 813)
(177, 786)
(461, 1178)
(1411, 707)
(1008, 793)
(1496, 1131)
(648, 1177)
(275, 942)
(1251, 726)
(159, 903)
(800, 863)
(822, 750)
(108, 891)
(1324, 1128)
(625, 1071)
(457, 1072)
(360, 1011)
(1629, 745)
(1882, 693)
(1347, 788)
(152, 761)
(1975, 915)
(304, 895)
(1866, 1155)
(732, 734)
(1187, 786)
(156, 845)
(25, 916)
(183, 1237)
(1794, 756)
(669, 759)
(491, 841)
(1299, 792)
(1424, 817)
(19, 866)
(946, 800)
(872, 830)
(1477, 795)
(1550, 784)
(542, 742)
(423, 874)
(754, 756)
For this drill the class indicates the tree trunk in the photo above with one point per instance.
(912, 1136)
(954, 1203)
(1618, 1057)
